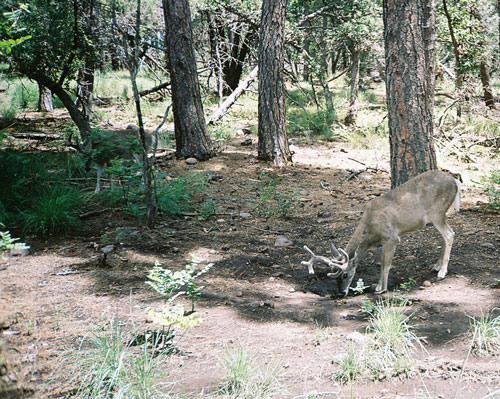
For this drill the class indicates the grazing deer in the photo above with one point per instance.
(113, 144)
(409, 207)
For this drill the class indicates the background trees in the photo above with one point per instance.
(328, 46)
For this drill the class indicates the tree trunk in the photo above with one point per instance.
(459, 79)
(273, 142)
(85, 90)
(408, 86)
(323, 73)
(485, 80)
(191, 136)
(45, 103)
(352, 114)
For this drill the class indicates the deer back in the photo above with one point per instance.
(409, 207)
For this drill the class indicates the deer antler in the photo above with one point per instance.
(333, 263)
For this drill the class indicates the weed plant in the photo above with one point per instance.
(246, 377)
(35, 196)
(389, 347)
(272, 202)
(486, 334)
(493, 189)
(175, 196)
(107, 365)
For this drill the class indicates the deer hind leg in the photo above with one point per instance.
(100, 169)
(448, 236)
(388, 249)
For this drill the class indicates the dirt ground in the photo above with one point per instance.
(257, 293)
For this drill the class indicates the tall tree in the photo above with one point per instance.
(409, 36)
(191, 136)
(273, 142)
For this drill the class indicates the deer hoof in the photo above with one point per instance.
(379, 292)
(439, 278)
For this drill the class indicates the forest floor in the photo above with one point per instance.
(257, 294)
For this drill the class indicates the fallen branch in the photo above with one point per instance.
(97, 212)
(229, 101)
(36, 136)
(154, 89)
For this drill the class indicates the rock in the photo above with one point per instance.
(269, 304)
(427, 283)
(304, 192)
(282, 241)
(246, 142)
(107, 249)
(244, 215)
(357, 337)
(291, 290)
(488, 245)
(191, 161)
(255, 304)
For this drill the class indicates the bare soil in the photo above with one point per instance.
(257, 294)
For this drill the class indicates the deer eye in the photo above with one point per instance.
(344, 276)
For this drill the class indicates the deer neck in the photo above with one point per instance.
(356, 238)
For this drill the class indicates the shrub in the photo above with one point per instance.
(55, 209)
(175, 196)
(485, 334)
(493, 189)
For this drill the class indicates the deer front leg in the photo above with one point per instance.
(448, 236)
(388, 249)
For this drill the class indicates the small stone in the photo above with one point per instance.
(244, 215)
(427, 283)
(239, 294)
(254, 304)
(271, 278)
(269, 304)
(282, 241)
(246, 142)
(175, 250)
(291, 290)
(191, 161)
(488, 245)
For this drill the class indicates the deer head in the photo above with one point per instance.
(343, 268)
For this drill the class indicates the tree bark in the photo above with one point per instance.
(485, 80)
(409, 87)
(45, 103)
(191, 136)
(273, 142)
(352, 114)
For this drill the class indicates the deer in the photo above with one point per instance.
(111, 144)
(423, 199)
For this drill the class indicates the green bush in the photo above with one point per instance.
(54, 210)
(175, 196)
(493, 189)
(35, 195)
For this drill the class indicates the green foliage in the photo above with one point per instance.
(408, 286)
(36, 196)
(55, 209)
(7, 243)
(208, 208)
(388, 348)
(175, 196)
(246, 377)
(171, 285)
(493, 189)
(351, 364)
(485, 332)
(360, 287)
(107, 365)
(271, 202)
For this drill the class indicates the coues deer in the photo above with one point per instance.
(112, 144)
(423, 199)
